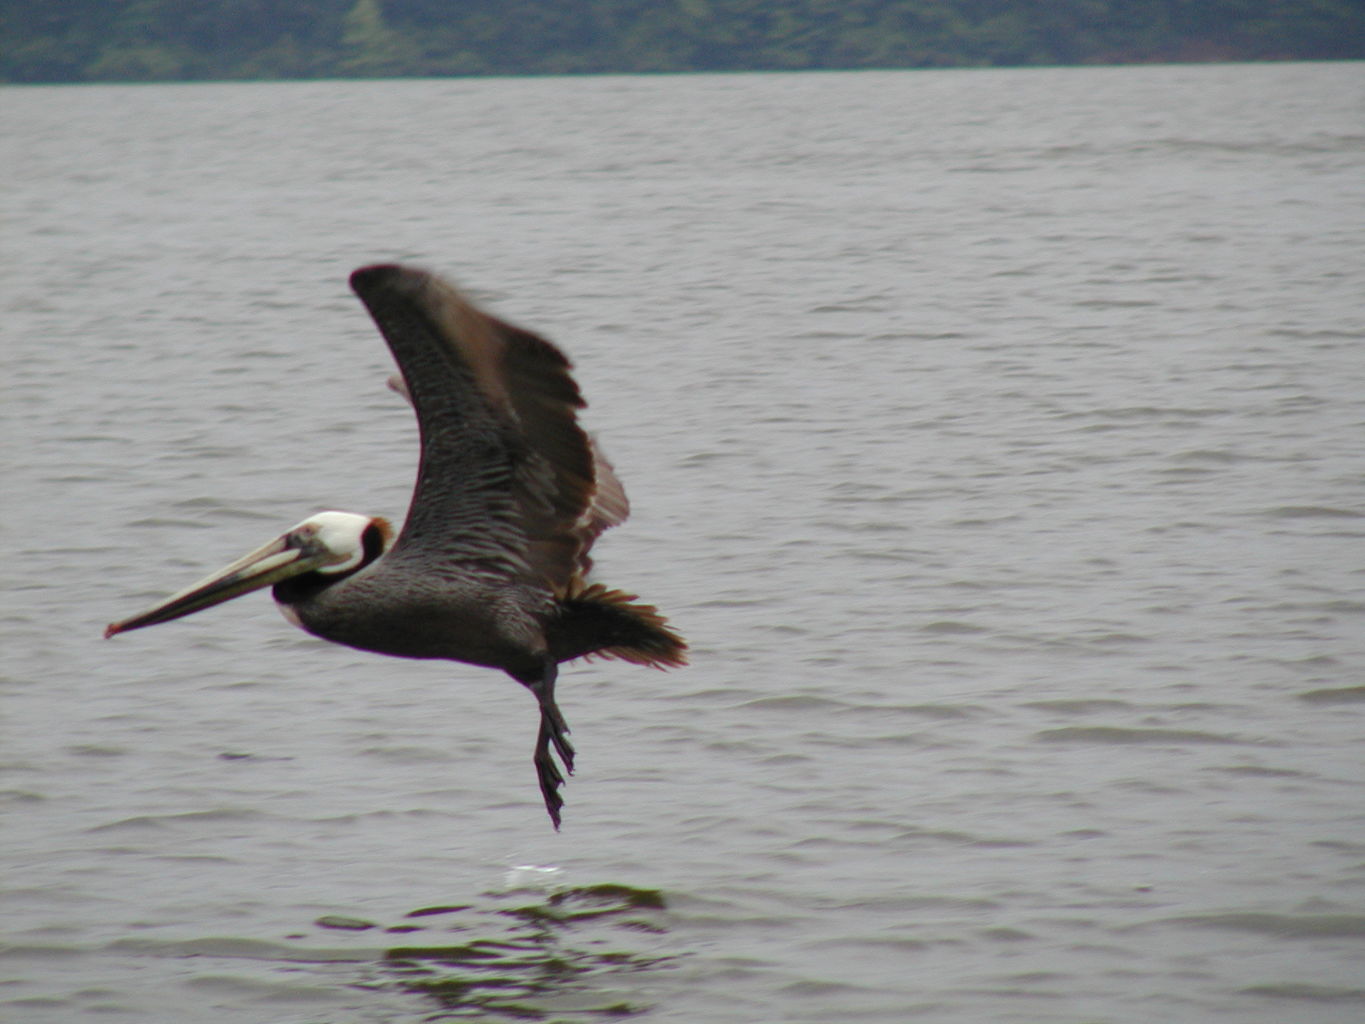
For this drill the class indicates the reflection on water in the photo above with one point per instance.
(520, 961)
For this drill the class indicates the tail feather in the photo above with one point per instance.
(596, 621)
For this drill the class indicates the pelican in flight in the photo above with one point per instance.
(491, 566)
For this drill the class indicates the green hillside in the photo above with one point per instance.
(155, 40)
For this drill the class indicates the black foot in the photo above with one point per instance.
(553, 730)
(551, 778)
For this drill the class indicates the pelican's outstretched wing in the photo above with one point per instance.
(508, 479)
(610, 506)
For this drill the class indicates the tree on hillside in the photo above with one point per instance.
(369, 48)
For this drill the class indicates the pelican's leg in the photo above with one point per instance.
(550, 713)
(553, 729)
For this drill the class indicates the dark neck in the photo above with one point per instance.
(298, 589)
(303, 588)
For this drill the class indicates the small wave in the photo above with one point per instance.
(226, 947)
(1304, 992)
(794, 702)
(953, 628)
(710, 695)
(1122, 735)
(38, 951)
(820, 990)
(1312, 335)
(1114, 303)
(1312, 512)
(919, 336)
(1262, 771)
(1221, 456)
(164, 522)
(153, 821)
(1141, 412)
(340, 922)
(453, 908)
(1334, 695)
(940, 712)
(96, 750)
(1284, 926)
(953, 837)
(20, 796)
(1080, 706)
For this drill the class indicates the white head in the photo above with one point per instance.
(338, 538)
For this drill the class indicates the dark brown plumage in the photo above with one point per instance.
(491, 565)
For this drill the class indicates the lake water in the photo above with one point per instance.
(995, 437)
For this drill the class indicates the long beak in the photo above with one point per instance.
(283, 557)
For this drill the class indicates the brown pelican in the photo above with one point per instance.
(491, 566)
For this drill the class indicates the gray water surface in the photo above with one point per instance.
(995, 437)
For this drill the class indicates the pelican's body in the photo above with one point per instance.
(414, 607)
(490, 568)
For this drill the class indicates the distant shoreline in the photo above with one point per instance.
(110, 41)
(665, 74)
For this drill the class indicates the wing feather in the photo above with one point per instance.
(507, 479)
